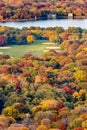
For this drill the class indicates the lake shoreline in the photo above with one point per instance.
(40, 19)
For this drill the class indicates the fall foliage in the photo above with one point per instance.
(30, 39)
(45, 92)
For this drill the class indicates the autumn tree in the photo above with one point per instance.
(30, 38)
(80, 75)
(54, 38)
(3, 40)
(42, 127)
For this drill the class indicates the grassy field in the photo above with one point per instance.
(37, 48)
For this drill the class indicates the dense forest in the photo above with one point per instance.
(23, 10)
(47, 92)
(24, 36)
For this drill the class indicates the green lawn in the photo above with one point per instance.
(35, 48)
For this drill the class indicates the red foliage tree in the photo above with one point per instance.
(66, 36)
(17, 83)
(22, 64)
(61, 126)
(3, 40)
(67, 89)
(5, 69)
(63, 109)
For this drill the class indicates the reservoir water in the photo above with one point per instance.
(65, 23)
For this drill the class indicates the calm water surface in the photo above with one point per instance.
(65, 23)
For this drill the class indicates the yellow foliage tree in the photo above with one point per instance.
(84, 125)
(42, 127)
(30, 38)
(81, 92)
(2, 29)
(85, 49)
(49, 104)
(40, 79)
(10, 111)
(80, 75)
(7, 111)
(76, 95)
(79, 95)
(53, 38)
(48, 33)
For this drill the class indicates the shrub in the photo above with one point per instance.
(42, 127)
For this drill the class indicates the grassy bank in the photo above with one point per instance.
(36, 48)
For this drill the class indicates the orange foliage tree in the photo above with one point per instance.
(30, 38)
